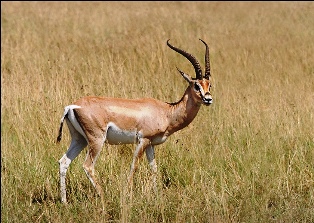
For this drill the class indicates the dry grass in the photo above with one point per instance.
(247, 158)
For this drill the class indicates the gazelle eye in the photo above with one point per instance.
(196, 87)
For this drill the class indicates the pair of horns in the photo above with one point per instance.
(194, 62)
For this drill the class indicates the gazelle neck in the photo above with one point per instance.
(183, 112)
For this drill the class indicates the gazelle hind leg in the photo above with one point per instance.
(78, 143)
(89, 166)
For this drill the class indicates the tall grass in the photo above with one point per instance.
(247, 158)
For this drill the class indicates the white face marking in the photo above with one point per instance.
(116, 136)
(206, 96)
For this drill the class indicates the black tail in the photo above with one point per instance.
(60, 133)
(66, 109)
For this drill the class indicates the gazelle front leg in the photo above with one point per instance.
(142, 144)
(150, 154)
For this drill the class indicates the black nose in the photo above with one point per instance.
(207, 98)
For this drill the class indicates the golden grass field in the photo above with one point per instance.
(249, 157)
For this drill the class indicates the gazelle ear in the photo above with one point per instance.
(186, 76)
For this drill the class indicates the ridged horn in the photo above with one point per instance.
(207, 63)
(191, 58)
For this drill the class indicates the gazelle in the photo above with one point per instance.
(146, 122)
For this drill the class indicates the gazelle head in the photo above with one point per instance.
(200, 85)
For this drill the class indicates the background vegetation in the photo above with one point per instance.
(247, 158)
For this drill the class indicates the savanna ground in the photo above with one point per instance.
(249, 157)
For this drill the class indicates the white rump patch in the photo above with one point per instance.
(71, 117)
(116, 136)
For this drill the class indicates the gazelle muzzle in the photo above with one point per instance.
(207, 99)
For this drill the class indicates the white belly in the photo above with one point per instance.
(116, 136)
